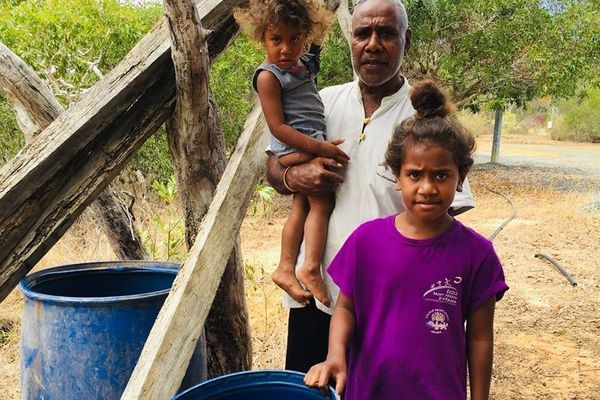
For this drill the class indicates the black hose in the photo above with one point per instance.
(559, 267)
(562, 270)
(514, 212)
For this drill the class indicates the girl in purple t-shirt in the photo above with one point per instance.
(409, 282)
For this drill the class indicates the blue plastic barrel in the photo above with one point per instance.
(256, 385)
(84, 327)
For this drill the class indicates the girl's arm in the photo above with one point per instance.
(480, 349)
(269, 92)
(340, 333)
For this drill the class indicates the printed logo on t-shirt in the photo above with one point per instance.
(437, 320)
(444, 291)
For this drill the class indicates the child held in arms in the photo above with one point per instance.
(286, 86)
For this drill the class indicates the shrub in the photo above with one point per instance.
(481, 123)
(64, 41)
(579, 119)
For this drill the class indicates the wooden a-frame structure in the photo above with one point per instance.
(68, 164)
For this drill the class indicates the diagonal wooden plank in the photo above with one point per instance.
(50, 182)
(172, 339)
(37, 103)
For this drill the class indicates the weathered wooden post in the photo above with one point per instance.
(168, 349)
(197, 147)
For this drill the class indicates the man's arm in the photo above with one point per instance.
(480, 349)
(314, 178)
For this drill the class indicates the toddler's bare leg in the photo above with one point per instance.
(315, 237)
(291, 238)
(295, 158)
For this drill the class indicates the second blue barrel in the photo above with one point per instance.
(84, 327)
(256, 385)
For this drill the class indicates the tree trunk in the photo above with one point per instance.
(49, 183)
(36, 109)
(197, 147)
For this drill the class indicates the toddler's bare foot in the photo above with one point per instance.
(290, 284)
(312, 280)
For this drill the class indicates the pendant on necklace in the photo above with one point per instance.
(362, 136)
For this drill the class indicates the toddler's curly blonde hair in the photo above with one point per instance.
(310, 15)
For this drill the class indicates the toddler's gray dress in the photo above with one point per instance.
(301, 103)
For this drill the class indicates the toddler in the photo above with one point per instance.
(286, 86)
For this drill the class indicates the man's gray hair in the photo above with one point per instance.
(399, 3)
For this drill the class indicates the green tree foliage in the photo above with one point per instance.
(336, 65)
(497, 52)
(64, 41)
(231, 85)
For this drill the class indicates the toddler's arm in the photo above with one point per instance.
(340, 333)
(480, 348)
(269, 92)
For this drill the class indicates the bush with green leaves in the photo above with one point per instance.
(69, 43)
(579, 119)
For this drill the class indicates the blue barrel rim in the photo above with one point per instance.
(94, 267)
(279, 375)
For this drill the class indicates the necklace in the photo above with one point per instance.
(362, 136)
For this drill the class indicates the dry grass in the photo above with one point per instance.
(547, 332)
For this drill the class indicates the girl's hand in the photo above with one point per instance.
(330, 149)
(318, 375)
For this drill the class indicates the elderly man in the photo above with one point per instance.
(363, 113)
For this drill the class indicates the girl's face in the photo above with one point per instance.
(428, 179)
(284, 45)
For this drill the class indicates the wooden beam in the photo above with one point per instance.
(197, 147)
(173, 337)
(36, 103)
(48, 184)
(28, 91)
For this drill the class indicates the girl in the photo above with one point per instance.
(409, 282)
(286, 86)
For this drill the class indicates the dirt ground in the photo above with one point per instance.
(547, 332)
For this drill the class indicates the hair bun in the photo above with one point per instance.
(430, 100)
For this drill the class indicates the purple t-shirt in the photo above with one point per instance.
(411, 300)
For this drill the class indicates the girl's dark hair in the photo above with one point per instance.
(432, 123)
(310, 16)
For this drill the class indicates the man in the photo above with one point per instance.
(363, 113)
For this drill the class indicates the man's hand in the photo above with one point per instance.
(316, 177)
(318, 375)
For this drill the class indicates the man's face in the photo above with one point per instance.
(379, 40)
